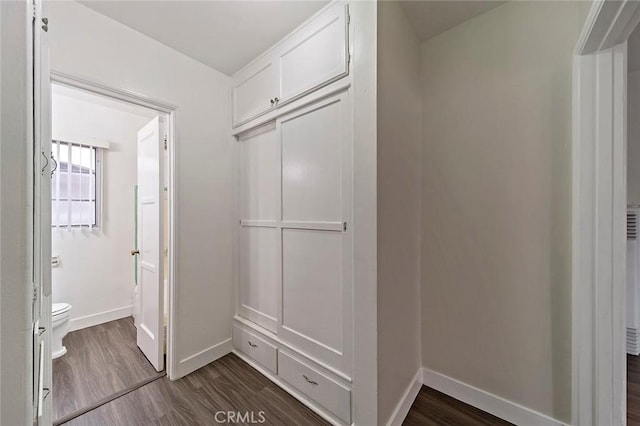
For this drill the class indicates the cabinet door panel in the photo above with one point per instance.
(312, 285)
(315, 313)
(316, 55)
(253, 89)
(259, 275)
(312, 164)
(260, 175)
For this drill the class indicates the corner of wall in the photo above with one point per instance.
(365, 376)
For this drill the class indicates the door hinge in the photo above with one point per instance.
(165, 142)
(348, 15)
(34, 295)
(344, 226)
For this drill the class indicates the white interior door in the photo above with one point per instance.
(150, 331)
(41, 243)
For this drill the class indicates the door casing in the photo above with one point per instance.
(599, 214)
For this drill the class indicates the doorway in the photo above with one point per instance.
(599, 231)
(110, 216)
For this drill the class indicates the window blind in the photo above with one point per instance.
(74, 182)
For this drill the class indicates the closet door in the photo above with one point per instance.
(259, 235)
(316, 55)
(255, 90)
(316, 293)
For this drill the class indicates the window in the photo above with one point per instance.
(75, 185)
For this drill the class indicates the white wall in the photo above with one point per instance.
(96, 274)
(496, 203)
(15, 137)
(87, 44)
(633, 134)
(399, 140)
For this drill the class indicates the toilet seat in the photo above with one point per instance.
(60, 308)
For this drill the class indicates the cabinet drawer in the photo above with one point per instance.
(256, 348)
(325, 391)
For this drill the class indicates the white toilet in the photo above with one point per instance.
(60, 313)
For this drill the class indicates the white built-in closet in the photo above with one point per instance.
(293, 122)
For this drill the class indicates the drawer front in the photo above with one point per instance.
(325, 391)
(257, 348)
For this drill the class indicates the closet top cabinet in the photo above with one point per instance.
(313, 56)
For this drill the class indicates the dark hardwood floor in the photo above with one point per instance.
(228, 384)
(633, 390)
(435, 408)
(100, 361)
(103, 360)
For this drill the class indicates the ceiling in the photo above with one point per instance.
(228, 34)
(430, 18)
(225, 35)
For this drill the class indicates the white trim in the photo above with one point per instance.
(598, 217)
(99, 318)
(202, 358)
(318, 95)
(485, 401)
(609, 23)
(291, 390)
(633, 341)
(404, 405)
(111, 92)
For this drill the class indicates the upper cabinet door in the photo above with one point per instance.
(255, 90)
(316, 55)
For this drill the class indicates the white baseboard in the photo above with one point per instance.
(633, 341)
(403, 407)
(485, 401)
(99, 318)
(202, 358)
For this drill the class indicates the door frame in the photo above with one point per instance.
(599, 214)
(171, 112)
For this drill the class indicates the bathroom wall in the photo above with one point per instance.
(96, 273)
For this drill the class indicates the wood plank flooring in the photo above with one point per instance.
(228, 384)
(105, 359)
(100, 361)
(435, 408)
(633, 390)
